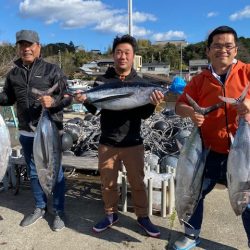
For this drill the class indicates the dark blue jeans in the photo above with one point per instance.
(39, 195)
(215, 172)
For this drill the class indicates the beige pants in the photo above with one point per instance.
(110, 159)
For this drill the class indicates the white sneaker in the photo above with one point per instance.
(186, 243)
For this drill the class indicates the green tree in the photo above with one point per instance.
(71, 47)
(7, 56)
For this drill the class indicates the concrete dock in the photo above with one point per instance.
(222, 230)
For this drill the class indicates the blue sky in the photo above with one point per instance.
(93, 24)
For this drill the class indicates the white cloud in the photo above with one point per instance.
(140, 31)
(245, 13)
(84, 13)
(140, 17)
(169, 35)
(212, 14)
(119, 25)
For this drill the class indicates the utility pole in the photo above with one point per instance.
(130, 23)
(60, 58)
(181, 62)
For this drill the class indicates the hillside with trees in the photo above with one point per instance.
(70, 57)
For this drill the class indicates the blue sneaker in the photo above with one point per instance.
(186, 243)
(148, 226)
(107, 222)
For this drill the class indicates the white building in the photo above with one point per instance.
(155, 68)
(100, 66)
(196, 66)
(97, 67)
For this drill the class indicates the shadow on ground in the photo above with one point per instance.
(84, 207)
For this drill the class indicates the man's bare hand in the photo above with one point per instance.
(47, 101)
(156, 97)
(79, 97)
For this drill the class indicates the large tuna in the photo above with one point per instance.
(120, 96)
(47, 148)
(238, 163)
(190, 169)
(5, 147)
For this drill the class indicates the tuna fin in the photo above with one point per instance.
(228, 99)
(46, 92)
(178, 143)
(201, 110)
(236, 100)
(99, 82)
(113, 97)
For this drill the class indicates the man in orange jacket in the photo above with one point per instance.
(227, 77)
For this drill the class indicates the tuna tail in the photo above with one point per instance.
(73, 93)
(166, 90)
(175, 90)
(46, 92)
(236, 100)
(201, 110)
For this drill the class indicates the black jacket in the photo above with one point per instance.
(122, 128)
(17, 89)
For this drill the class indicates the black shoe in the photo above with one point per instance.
(32, 218)
(148, 226)
(107, 222)
(58, 223)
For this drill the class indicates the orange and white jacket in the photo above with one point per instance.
(205, 89)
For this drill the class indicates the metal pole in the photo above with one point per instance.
(164, 198)
(130, 23)
(171, 194)
(60, 58)
(150, 196)
(181, 62)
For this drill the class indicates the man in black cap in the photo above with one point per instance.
(32, 71)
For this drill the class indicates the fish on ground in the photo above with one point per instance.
(5, 147)
(190, 168)
(238, 163)
(128, 95)
(47, 148)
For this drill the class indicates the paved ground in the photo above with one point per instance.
(84, 207)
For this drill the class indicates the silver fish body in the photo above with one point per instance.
(238, 168)
(189, 175)
(121, 96)
(238, 162)
(5, 147)
(190, 168)
(47, 152)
